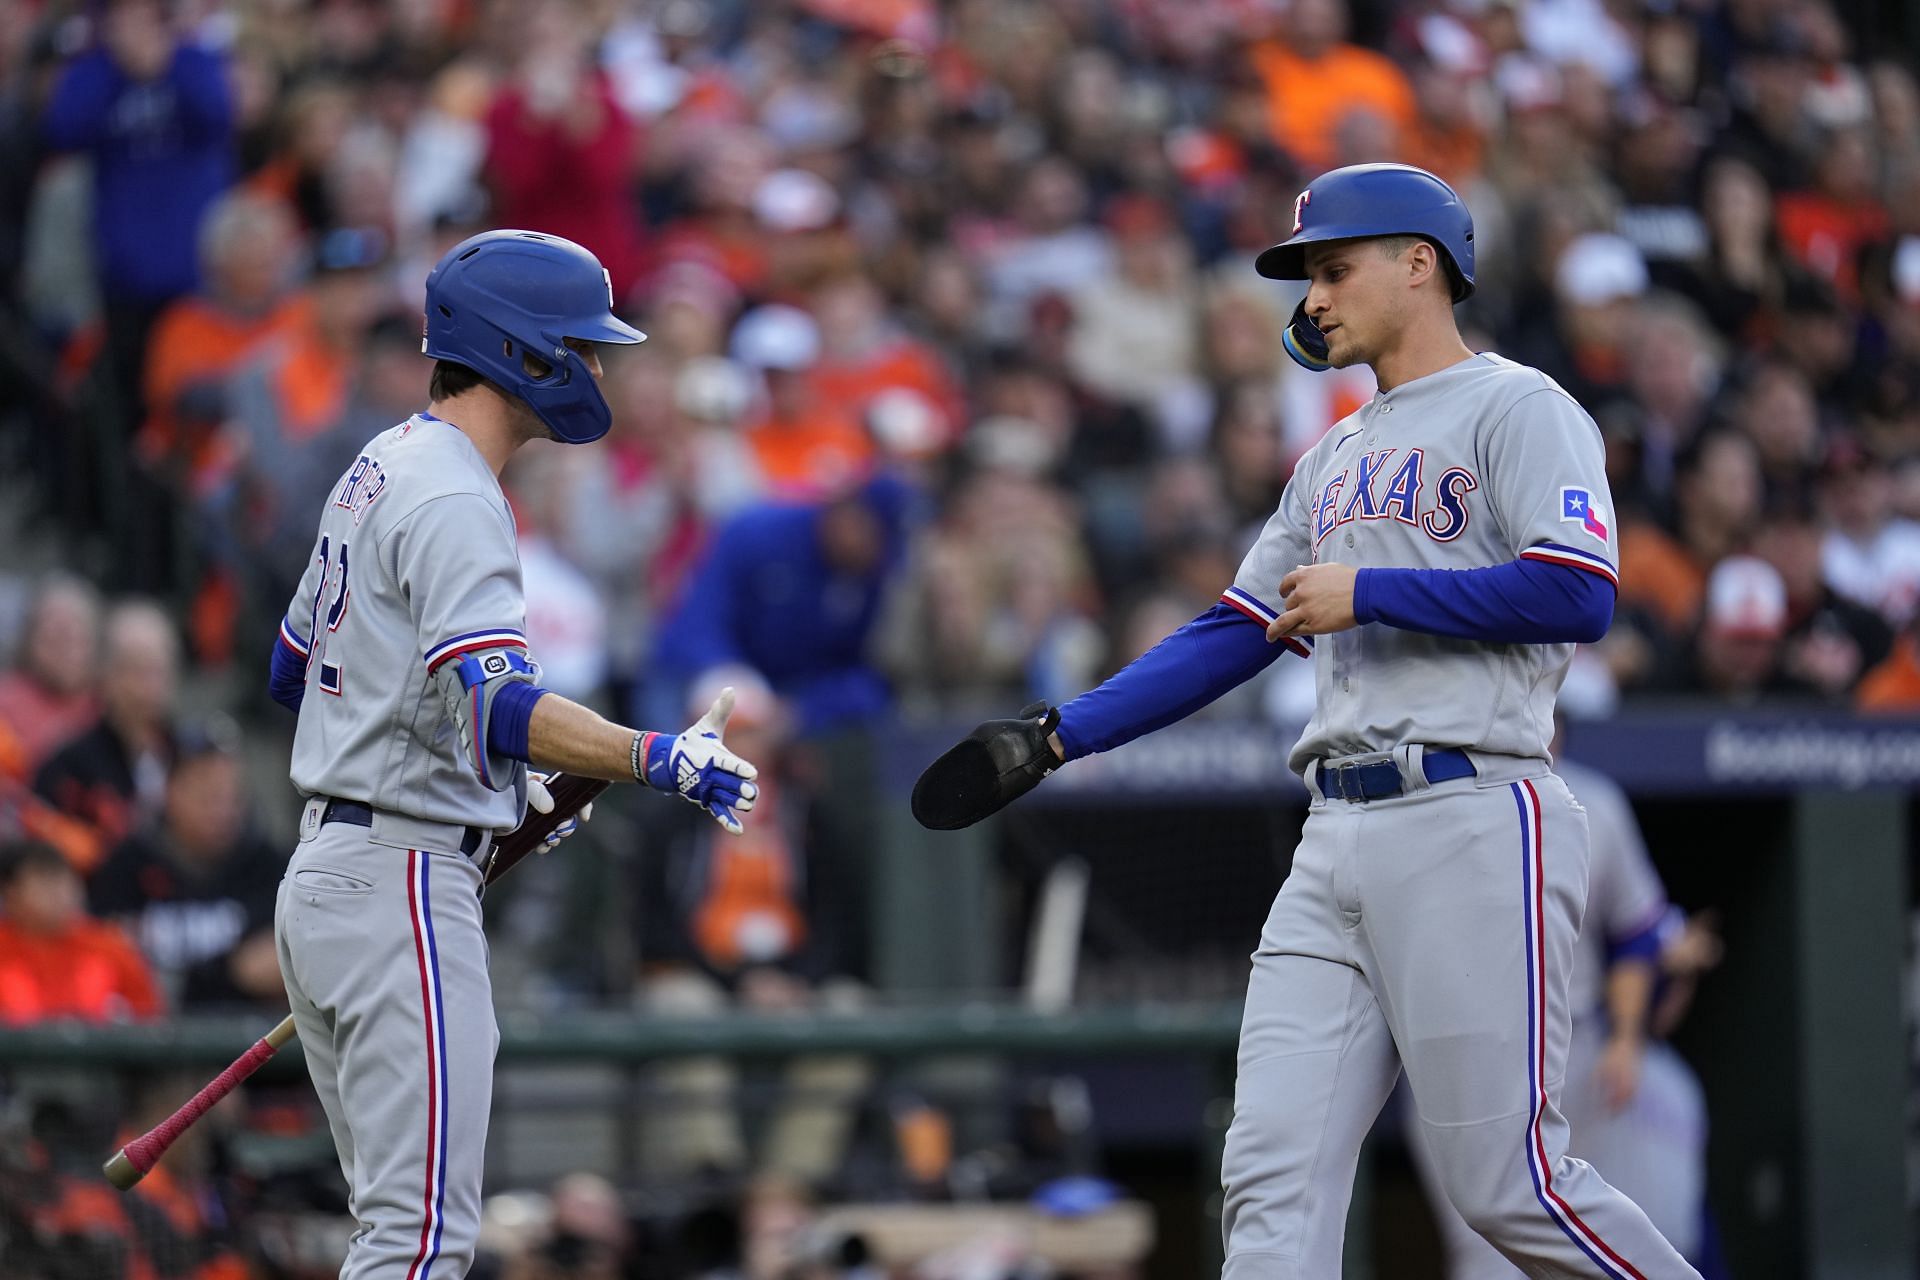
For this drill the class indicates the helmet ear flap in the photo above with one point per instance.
(1304, 341)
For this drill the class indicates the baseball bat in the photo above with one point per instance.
(134, 1161)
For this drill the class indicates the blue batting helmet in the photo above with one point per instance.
(501, 296)
(1364, 200)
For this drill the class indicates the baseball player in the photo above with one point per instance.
(1633, 1106)
(1436, 556)
(404, 653)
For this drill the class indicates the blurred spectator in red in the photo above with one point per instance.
(1871, 555)
(1717, 507)
(55, 961)
(113, 777)
(249, 257)
(562, 154)
(1830, 641)
(153, 111)
(804, 443)
(196, 890)
(1827, 226)
(1315, 80)
(1135, 331)
(47, 697)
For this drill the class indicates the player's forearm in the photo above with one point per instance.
(1629, 997)
(1214, 653)
(1520, 602)
(566, 737)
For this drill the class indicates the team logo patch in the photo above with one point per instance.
(495, 664)
(1577, 507)
(1300, 204)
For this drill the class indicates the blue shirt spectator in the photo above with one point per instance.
(156, 115)
(794, 590)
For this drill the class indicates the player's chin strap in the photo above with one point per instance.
(1304, 341)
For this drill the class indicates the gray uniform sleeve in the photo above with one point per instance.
(301, 621)
(1547, 477)
(1625, 898)
(1281, 548)
(456, 565)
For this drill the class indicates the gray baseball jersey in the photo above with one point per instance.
(1431, 930)
(1472, 466)
(415, 567)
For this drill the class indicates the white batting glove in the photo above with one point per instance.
(699, 768)
(540, 800)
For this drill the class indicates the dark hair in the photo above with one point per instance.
(17, 857)
(1395, 245)
(451, 379)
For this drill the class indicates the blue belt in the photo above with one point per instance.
(1379, 779)
(355, 814)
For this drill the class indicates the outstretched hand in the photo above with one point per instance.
(1318, 600)
(699, 768)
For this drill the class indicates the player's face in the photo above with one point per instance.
(1355, 294)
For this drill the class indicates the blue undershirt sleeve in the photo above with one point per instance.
(287, 675)
(508, 720)
(1217, 651)
(1521, 602)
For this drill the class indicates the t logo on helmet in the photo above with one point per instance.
(1300, 203)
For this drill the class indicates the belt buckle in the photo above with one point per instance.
(1341, 774)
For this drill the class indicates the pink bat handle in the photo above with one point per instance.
(135, 1160)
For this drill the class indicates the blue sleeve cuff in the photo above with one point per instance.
(287, 673)
(1215, 652)
(1363, 596)
(512, 713)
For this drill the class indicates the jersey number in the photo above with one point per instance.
(336, 575)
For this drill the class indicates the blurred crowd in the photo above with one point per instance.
(960, 389)
(959, 373)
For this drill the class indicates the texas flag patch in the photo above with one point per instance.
(1578, 507)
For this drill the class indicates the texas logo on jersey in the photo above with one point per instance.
(1577, 507)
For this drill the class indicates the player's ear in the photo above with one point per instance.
(1421, 261)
